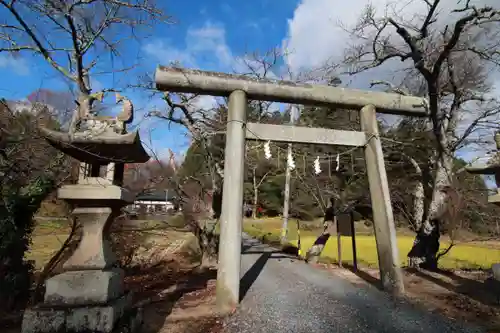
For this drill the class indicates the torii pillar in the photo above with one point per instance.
(492, 167)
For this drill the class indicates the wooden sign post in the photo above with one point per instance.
(345, 227)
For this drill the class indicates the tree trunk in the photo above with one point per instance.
(418, 204)
(424, 252)
(255, 202)
(315, 251)
(255, 196)
(208, 242)
(418, 195)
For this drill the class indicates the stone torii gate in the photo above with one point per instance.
(240, 89)
(491, 167)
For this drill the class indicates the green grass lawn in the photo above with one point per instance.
(47, 239)
(462, 256)
(49, 236)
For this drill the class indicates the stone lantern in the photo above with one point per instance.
(89, 296)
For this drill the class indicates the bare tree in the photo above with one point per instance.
(74, 36)
(259, 175)
(205, 126)
(197, 199)
(451, 57)
(259, 66)
(24, 156)
(62, 103)
(143, 178)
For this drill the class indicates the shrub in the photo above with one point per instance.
(16, 226)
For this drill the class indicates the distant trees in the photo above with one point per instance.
(403, 144)
(62, 102)
(30, 170)
(153, 175)
(446, 53)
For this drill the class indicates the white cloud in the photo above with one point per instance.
(317, 34)
(165, 53)
(17, 65)
(204, 102)
(210, 38)
(496, 86)
(313, 33)
(204, 47)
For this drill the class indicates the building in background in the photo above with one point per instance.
(155, 201)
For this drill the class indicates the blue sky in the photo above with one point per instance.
(211, 35)
(203, 35)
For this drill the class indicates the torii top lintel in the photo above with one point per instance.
(222, 84)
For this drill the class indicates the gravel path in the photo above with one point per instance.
(286, 295)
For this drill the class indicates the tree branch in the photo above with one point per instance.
(416, 53)
(424, 30)
(459, 27)
(39, 47)
(77, 56)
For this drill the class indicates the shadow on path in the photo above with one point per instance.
(364, 275)
(479, 291)
(260, 252)
(251, 275)
(266, 252)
